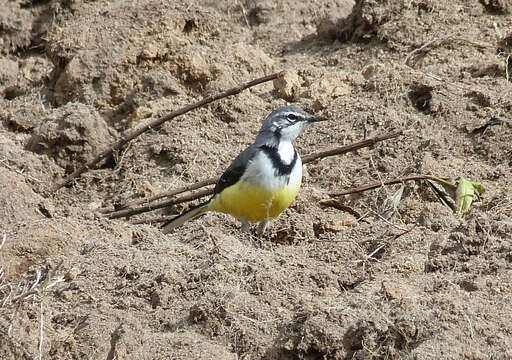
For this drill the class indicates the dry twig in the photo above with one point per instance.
(159, 205)
(352, 147)
(169, 193)
(138, 130)
(383, 245)
(377, 184)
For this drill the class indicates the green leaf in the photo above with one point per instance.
(465, 193)
(461, 190)
(479, 187)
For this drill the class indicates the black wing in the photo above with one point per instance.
(235, 170)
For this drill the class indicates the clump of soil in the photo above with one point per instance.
(71, 135)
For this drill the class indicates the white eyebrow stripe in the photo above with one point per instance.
(300, 116)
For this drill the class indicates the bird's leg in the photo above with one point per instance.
(245, 224)
(246, 229)
(262, 227)
(256, 241)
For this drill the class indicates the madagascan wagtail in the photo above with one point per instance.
(264, 179)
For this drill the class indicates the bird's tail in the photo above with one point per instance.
(183, 217)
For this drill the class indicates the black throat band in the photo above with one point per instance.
(280, 167)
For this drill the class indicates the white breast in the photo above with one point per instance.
(286, 151)
(260, 170)
(296, 175)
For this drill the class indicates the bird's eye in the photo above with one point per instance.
(292, 117)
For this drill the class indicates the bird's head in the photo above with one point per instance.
(287, 122)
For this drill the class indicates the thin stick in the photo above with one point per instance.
(160, 219)
(4, 163)
(169, 193)
(352, 147)
(199, 194)
(132, 134)
(159, 205)
(406, 231)
(377, 184)
(387, 221)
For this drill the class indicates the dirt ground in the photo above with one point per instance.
(369, 278)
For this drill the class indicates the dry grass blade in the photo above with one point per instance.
(438, 42)
(379, 248)
(41, 330)
(4, 239)
(14, 295)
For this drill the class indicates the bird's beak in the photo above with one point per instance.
(316, 119)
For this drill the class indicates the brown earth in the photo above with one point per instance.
(402, 280)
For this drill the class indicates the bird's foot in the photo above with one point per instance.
(256, 241)
(245, 225)
(262, 227)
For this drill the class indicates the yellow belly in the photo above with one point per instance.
(253, 202)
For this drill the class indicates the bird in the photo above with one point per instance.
(264, 179)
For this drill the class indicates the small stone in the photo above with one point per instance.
(496, 290)
(371, 70)
(150, 51)
(192, 66)
(288, 85)
(94, 205)
(72, 274)
(469, 285)
(142, 112)
(66, 295)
